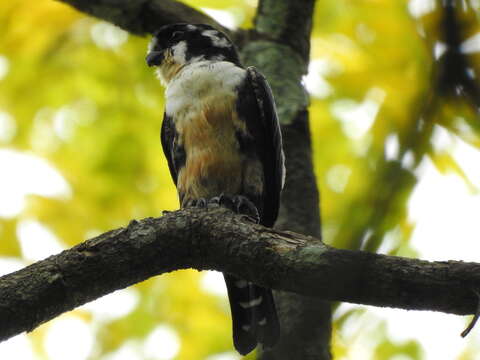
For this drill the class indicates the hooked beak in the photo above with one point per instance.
(154, 58)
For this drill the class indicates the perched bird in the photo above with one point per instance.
(222, 139)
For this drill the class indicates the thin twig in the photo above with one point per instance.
(474, 319)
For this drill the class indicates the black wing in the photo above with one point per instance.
(255, 105)
(168, 137)
(271, 151)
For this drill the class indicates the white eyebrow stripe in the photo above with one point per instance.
(179, 52)
(251, 303)
(216, 40)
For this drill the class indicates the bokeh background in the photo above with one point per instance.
(396, 157)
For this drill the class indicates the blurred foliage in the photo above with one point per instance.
(76, 92)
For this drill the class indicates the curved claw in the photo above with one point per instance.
(227, 202)
(214, 202)
(202, 203)
(198, 203)
(246, 207)
(191, 203)
(239, 204)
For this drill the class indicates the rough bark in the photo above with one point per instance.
(217, 239)
(281, 50)
(306, 322)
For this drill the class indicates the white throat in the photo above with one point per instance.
(201, 80)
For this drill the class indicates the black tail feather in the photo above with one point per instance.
(254, 318)
(265, 318)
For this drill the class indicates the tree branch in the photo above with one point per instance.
(281, 51)
(218, 239)
(145, 16)
(279, 46)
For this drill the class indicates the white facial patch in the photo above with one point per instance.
(217, 40)
(179, 52)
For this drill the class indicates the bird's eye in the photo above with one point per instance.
(176, 35)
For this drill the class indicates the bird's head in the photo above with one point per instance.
(176, 45)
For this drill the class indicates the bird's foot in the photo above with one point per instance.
(215, 201)
(238, 204)
(197, 203)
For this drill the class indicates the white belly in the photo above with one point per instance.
(201, 100)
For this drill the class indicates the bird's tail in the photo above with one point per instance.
(254, 317)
